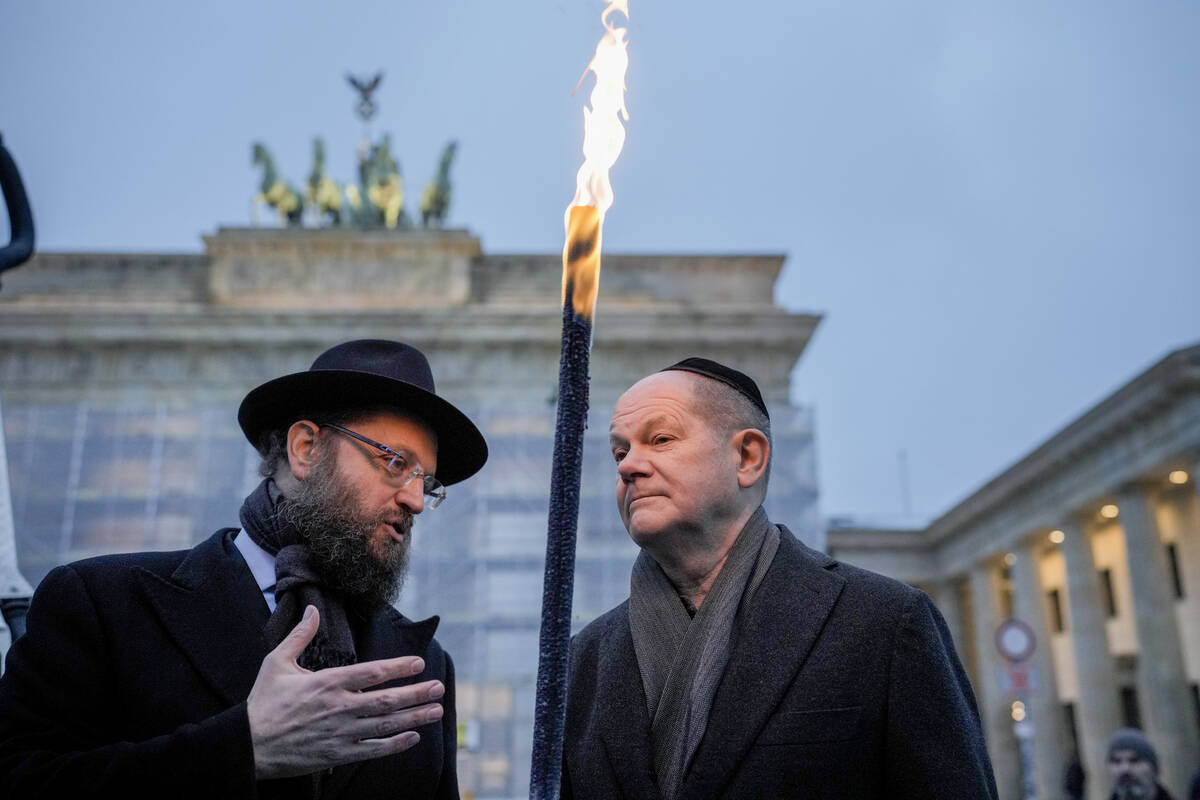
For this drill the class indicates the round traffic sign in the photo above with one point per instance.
(1015, 640)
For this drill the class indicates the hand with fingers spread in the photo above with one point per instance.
(302, 722)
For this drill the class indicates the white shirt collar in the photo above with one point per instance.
(261, 564)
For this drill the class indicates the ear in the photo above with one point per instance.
(303, 447)
(753, 453)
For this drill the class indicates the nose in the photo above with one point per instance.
(411, 496)
(633, 465)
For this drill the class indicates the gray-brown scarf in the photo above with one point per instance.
(682, 658)
(297, 583)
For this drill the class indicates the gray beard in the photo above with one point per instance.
(1131, 790)
(323, 511)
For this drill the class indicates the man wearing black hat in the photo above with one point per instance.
(1133, 767)
(745, 664)
(267, 661)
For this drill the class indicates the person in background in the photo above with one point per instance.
(1133, 767)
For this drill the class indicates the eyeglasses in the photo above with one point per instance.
(401, 468)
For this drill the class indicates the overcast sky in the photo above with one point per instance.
(994, 206)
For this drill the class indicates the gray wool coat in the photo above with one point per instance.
(842, 684)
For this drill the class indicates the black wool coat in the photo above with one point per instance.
(842, 684)
(131, 681)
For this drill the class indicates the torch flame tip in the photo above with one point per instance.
(613, 6)
(604, 135)
(603, 138)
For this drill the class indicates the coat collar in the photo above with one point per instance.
(783, 622)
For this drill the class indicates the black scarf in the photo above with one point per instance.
(297, 583)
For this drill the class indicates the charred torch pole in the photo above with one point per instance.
(559, 582)
(603, 137)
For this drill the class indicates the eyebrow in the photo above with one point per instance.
(657, 420)
(651, 422)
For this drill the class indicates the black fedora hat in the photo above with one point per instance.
(367, 373)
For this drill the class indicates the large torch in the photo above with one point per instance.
(602, 140)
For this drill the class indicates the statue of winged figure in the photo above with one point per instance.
(383, 184)
(378, 200)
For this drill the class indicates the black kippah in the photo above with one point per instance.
(740, 382)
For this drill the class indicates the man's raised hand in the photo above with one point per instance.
(302, 722)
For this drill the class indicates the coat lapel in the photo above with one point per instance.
(213, 610)
(624, 720)
(385, 634)
(783, 622)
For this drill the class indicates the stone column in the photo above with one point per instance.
(1097, 712)
(1163, 693)
(993, 705)
(1029, 606)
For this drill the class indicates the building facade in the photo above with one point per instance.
(120, 377)
(1093, 541)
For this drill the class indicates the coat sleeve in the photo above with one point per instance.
(59, 708)
(935, 744)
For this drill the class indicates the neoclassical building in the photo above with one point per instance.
(1093, 541)
(120, 377)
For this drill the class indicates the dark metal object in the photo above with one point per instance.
(14, 610)
(549, 714)
(366, 87)
(20, 216)
(17, 252)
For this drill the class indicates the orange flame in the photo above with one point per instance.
(603, 138)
